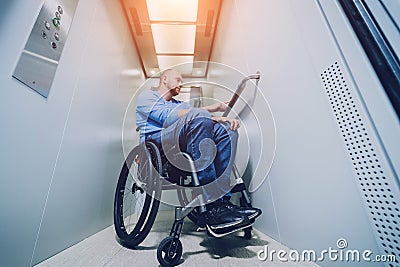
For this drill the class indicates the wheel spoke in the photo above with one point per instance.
(132, 211)
(135, 210)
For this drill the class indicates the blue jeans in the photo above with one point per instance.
(211, 145)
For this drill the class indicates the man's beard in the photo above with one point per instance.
(175, 91)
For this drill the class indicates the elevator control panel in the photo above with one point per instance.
(39, 60)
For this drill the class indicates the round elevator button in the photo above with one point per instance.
(47, 25)
(43, 34)
(56, 22)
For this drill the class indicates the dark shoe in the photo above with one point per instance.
(219, 216)
(250, 212)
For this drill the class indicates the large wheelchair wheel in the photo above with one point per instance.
(137, 195)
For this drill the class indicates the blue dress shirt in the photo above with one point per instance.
(153, 112)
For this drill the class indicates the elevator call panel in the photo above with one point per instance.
(38, 62)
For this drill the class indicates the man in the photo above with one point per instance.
(211, 141)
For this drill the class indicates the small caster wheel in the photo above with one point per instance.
(247, 233)
(169, 251)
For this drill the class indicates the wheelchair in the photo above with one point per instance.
(145, 174)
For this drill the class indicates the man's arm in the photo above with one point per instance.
(234, 123)
(222, 106)
(182, 112)
(151, 106)
(211, 108)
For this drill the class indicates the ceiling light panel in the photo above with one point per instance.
(183, 64)
(172, 10)
(174, 39)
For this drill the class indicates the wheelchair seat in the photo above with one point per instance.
(172, 173)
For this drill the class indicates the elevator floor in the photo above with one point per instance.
(102, 249)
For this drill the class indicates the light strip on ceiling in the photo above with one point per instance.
(183, 64)
(174, 39)
(172, 10)
(142, 14)
(173, 26)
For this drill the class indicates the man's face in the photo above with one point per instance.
(174, 83)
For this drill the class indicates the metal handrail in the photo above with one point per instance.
(239, 90)
(232, 102)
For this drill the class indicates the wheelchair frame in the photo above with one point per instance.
(149, 183)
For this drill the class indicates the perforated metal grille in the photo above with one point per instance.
(377, 189)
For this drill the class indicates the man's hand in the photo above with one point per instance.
(235, 124)
(222, 106)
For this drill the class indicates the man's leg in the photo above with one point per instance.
(194, 134)
(226, 141)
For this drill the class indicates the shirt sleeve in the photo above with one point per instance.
(152, 105)
(173, 116)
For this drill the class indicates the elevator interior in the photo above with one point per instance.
(321, 131)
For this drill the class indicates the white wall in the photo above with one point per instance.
(60, 157)
(310, 198)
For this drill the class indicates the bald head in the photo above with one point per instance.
(170, 83)
(169, 73)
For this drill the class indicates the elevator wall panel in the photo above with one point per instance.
(380, 110)
(61, 157)
(311, 196)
